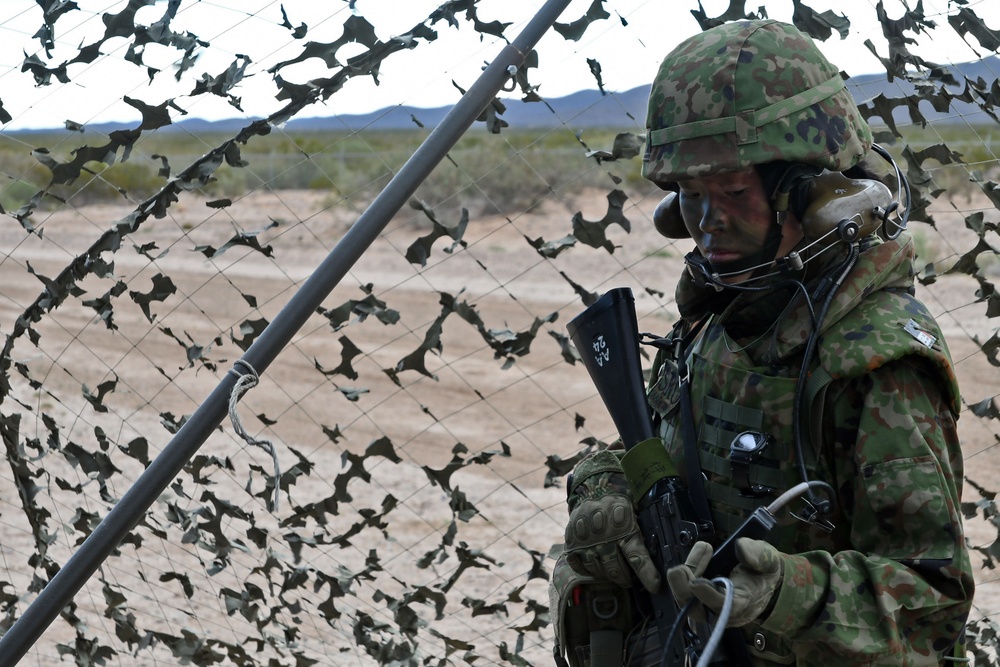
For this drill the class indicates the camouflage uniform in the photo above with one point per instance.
(892, 583)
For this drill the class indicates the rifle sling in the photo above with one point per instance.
(692, 459)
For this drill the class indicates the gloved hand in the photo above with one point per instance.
(679, 577)
(756, 580)
(602, 536)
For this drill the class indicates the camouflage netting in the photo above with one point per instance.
(392, 490)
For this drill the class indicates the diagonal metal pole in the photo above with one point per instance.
(186, 442)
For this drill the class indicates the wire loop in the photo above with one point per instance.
(244, 383)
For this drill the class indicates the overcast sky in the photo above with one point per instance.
(629, 45)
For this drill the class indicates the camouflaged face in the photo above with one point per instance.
(748, 93)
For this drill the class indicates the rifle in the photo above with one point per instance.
(606, 335)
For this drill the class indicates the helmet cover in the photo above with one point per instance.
(748, 93)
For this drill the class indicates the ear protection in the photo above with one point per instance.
(852, 208)
(667, 218)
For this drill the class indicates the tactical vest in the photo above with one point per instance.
(731, 393)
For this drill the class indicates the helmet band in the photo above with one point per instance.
(745, 125)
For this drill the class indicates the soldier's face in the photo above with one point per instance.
(728, 216)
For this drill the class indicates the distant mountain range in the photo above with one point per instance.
(592, 109)
(583, 109)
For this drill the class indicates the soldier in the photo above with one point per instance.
(801, 354)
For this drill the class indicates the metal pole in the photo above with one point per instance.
(186, 442)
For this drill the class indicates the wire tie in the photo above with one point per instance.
(245, 382)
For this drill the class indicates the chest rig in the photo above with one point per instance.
(742, 411)
(743, 417)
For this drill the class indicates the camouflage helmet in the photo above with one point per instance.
(748, 93)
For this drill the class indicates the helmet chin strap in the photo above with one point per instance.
(706, 273)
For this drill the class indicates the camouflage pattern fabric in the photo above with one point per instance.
(747, 93)
(892, 584)
(564, 580)
(598, 475)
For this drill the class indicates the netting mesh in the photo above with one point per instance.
(423, 419)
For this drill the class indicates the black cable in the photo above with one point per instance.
(821, 506)
(788, 282)
(902, 183)
(681, 616)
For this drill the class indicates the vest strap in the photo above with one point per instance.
(738, 414)
(692, 463)
(759, 473)
(816, 385)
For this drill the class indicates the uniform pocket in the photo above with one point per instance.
(911, 515)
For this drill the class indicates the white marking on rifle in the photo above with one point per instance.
(602, 353)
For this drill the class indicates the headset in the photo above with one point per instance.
(835, 208)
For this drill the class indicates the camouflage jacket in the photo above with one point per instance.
(892, 582)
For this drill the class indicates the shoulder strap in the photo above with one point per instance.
(815, 391)
(692, 459)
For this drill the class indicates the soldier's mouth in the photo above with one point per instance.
(721, 256)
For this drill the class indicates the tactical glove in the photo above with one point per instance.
(679, 577)
(756, 580)
(602, 537)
